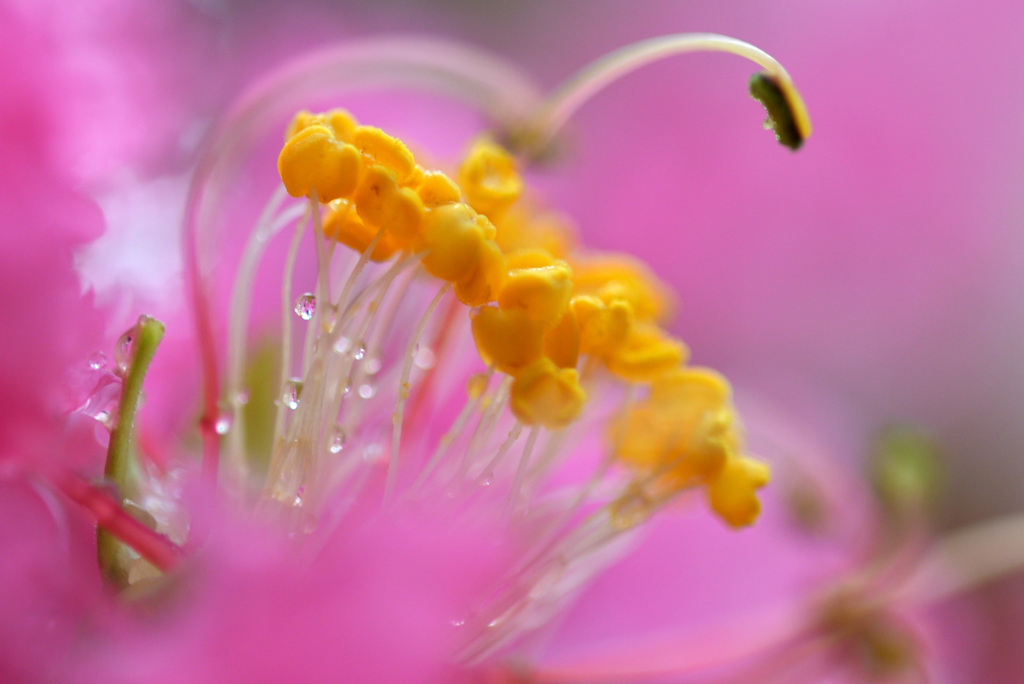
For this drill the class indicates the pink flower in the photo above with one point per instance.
(400, 596)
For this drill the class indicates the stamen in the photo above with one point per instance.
(267, 227)
(460, 422)
(494, 87)
(286, 337)
(403, 389)
(592, 79)
(524, 463)
(485, 475)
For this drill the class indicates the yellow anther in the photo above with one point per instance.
(436, 189)
(614, 276)
(488, 277)
(343, 123)
(344, 225)
(314, 158)
(339, 121)
(603, 327)
(694, 385)
(562, 342)
(732, 492)
(454, 236)
(544, 394)
(530, 257)
(525, 227)
(646, 355)
(381, 203)
(684, 431)
(389, 152)
(304, 119)
(489, 178)
(507, 340)
(543, 293)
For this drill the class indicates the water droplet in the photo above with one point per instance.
(630, 510)
(373, 453)
(291, 393)
(223, 423)
(367, 391)
(242, 398)
(101, 404)
(360, 352)
(305, 306)
(457, 623)
(424, 358)
(123, 351)
(372, 365)
(342, 345)
(97, 360)
(337, 442)
(298, 496)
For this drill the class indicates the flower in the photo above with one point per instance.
(545, 393)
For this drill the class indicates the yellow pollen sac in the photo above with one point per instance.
(531, 257)
(523, 226)
(343, 124)
(646, 355)
(732, 493)
(344, 225)
(304, 119)
(543, 293)
(314, 159)
(389, 152)
(489, 178)
(507, 340)
(562, 342)
(685, 430)
(603, 327)
(338, 120)
(381, 203)
(454, 236)
(614, 276)
(546, 395)
(436, 189)
(488, 277)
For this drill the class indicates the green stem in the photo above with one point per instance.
(146, 334)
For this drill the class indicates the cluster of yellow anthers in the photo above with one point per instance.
(536, 306)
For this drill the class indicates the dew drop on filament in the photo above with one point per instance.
(424, 358)
(123, 351)
(223, 424)
(360, 352)
(290, 395)
(305, 306)
(337, 441)
(102, 402)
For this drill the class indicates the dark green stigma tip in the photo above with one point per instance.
(782, 118)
